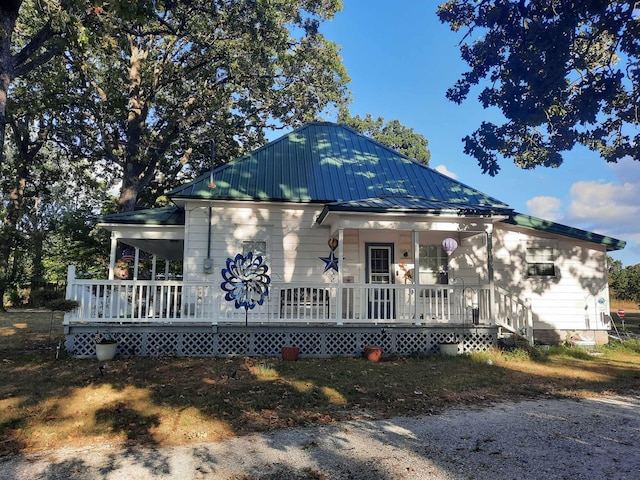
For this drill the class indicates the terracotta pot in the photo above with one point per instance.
(290, 353)
(372, 353)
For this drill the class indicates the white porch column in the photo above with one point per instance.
(492, 293)
(112, 254)
(135, 263)
(340, 272)
(154, 259)
(416, 274)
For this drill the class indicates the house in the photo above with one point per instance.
(361, 245)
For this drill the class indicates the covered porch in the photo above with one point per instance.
(174, 317)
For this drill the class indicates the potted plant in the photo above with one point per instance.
(106, 347)
(449, 348)
(290, 353)
(373, 353)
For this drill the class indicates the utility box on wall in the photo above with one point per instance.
(207, 265)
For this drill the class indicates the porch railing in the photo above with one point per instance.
(514, 313)
(150, 301)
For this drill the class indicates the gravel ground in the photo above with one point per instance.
(543, 439)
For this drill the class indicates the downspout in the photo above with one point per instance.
(207, 266)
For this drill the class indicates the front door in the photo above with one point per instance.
(379, 273)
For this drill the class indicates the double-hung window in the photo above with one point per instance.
(541, 262)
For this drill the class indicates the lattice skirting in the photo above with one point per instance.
(259, 341)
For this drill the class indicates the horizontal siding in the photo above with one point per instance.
(567, 301)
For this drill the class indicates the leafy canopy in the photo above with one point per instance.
(562, 72)
(392, 134)
(157, 89)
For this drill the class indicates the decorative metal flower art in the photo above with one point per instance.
(246, 281)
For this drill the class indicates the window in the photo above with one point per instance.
(258, 247)
(434, 265)
(540, 262)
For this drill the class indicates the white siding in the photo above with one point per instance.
(566, 301)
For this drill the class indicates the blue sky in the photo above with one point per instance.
(401, 61)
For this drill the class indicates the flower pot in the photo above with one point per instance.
(373, 353)
(290, 353)
(106, 350)
(449, 348)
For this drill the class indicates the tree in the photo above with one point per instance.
(33, 35)
(155, 93)
(624, 282)
(562, 72)
(393, 135)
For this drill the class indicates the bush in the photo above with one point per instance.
(41, 297)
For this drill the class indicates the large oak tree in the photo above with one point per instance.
(562, 72)
(156, 93)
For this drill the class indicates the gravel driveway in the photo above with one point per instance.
(543, 439)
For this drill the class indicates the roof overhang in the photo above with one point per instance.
(410, 206)
(541, 225)
(159, 231)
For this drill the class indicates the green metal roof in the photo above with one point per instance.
(152, 216)
(527, 221)
(327, 162)
(334, 165)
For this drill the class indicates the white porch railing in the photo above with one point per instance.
(514, 313)
(149, 301)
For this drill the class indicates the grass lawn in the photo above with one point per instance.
(48, 402)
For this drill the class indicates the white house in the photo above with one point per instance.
(363, 246)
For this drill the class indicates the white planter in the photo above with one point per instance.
(106, 351)
(449, 348)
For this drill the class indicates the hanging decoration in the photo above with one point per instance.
(128, 255)
(449, 245)
(246, 281)
(331, 262)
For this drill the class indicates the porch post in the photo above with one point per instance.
(112, 254)
(492, 298)
(154, 259)
(340, 271)
(416, 275)
(135, 263)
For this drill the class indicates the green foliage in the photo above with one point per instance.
(628, 345)
(393, 134)
(561, 72)
(624, 282)
(155, 90)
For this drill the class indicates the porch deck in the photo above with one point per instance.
(193, 319)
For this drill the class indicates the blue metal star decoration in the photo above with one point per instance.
(331, 262)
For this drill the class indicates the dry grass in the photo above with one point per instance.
(47, 402)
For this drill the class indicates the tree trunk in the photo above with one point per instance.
(9, 229)
(8, 18)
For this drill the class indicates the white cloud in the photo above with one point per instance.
(445, 171)
(545, 207)
(608, 207)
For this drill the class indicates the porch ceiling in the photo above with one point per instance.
(172, 249)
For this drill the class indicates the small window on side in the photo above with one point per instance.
(541, 262)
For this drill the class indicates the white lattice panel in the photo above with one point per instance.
(312, 342)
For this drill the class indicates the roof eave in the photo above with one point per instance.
(539, 224)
